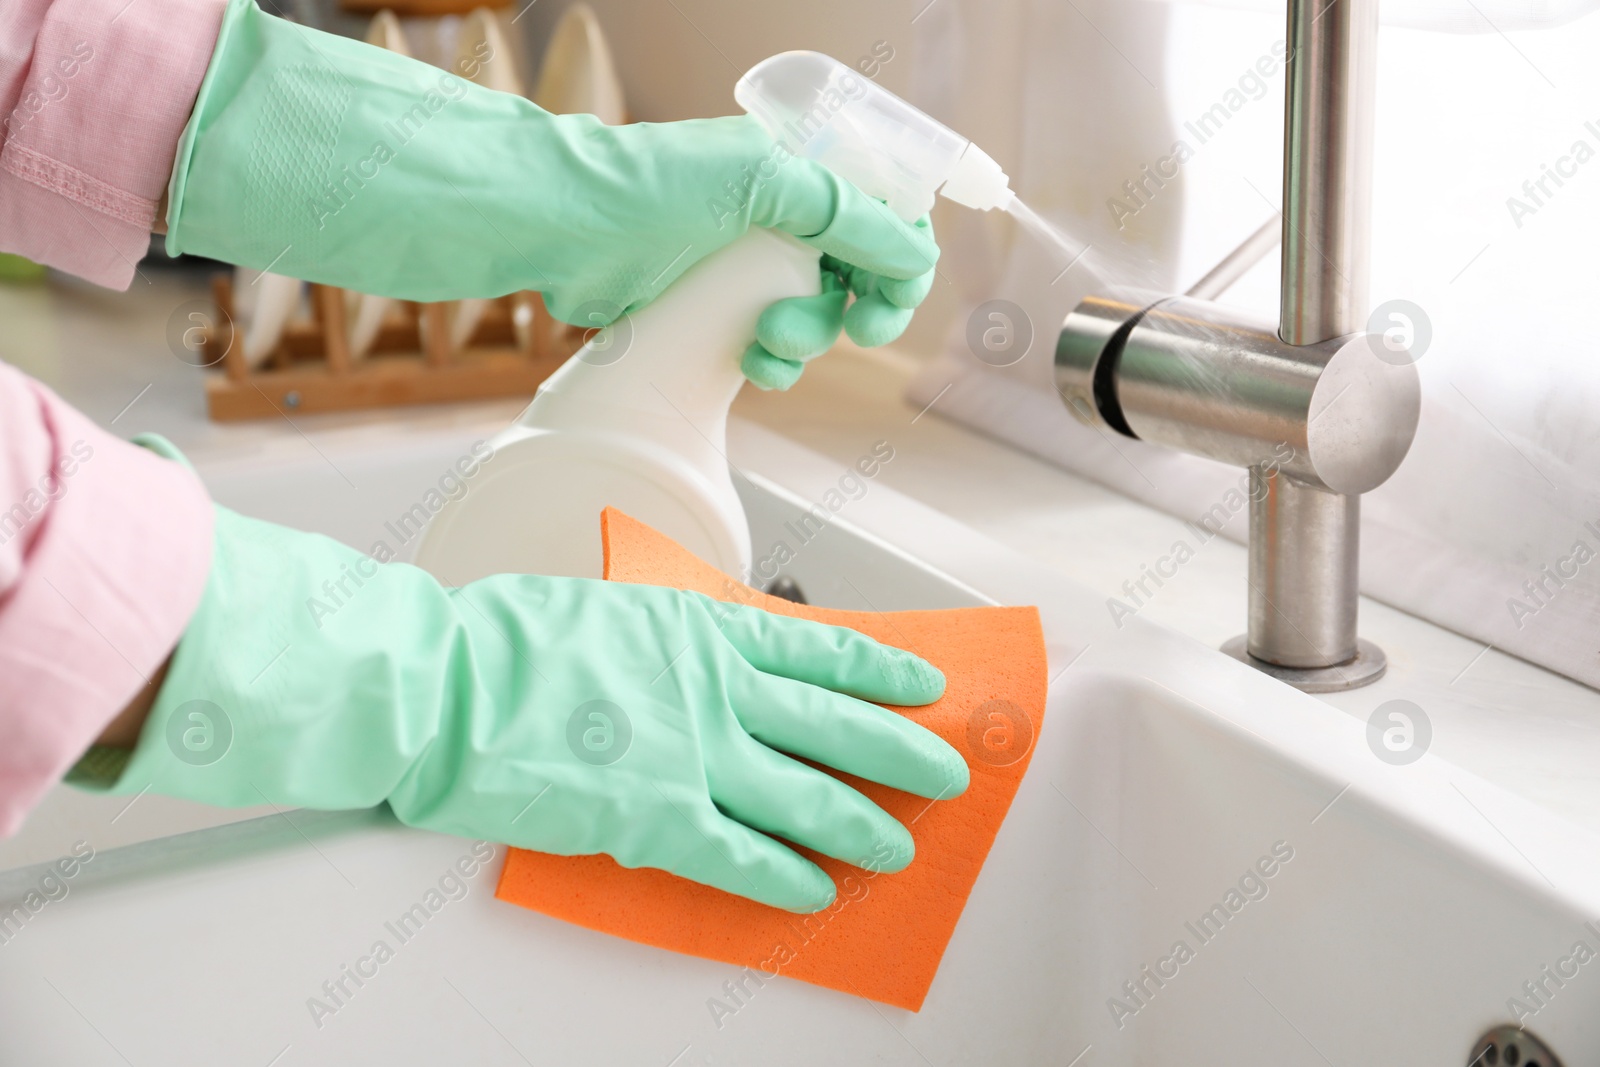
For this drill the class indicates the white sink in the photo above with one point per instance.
(1405, 904)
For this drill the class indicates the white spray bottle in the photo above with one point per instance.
(637, 419)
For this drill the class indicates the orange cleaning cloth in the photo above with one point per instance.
(885, 934)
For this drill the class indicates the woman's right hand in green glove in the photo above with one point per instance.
(565, 715)
(328, 159)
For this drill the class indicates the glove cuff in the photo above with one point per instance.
(310, 676)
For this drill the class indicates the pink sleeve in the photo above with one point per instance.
(104, 551)
(94, 94)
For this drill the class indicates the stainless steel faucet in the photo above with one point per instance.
(1317, 410)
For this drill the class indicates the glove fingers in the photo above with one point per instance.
(730, 856)
(766, 371)
(907, 293)
(856, 279)
(849, 735)
(777, 795)
(873, 320)
(901, 292)
(834, 657)
(828, 213)
(803, 327)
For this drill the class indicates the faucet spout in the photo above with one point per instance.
(1327, 168)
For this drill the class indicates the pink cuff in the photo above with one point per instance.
(104, 552)
(93, 115)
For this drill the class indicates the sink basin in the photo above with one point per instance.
(1332, 908)
(1224, 901)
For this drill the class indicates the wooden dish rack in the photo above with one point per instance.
(515, 346)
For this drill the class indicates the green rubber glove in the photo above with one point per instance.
(791, 332)
(565, 715)
(328, 159)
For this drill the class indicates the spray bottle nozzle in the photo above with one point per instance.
(822, 110)
(978, 182)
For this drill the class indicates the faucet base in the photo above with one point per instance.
(1367, 667)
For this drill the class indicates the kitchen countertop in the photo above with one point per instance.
(1523, 727)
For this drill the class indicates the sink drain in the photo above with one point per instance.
(786, 588)
(1507, 1046)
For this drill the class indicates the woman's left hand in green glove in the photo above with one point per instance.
(566, 715)
(327, 159)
